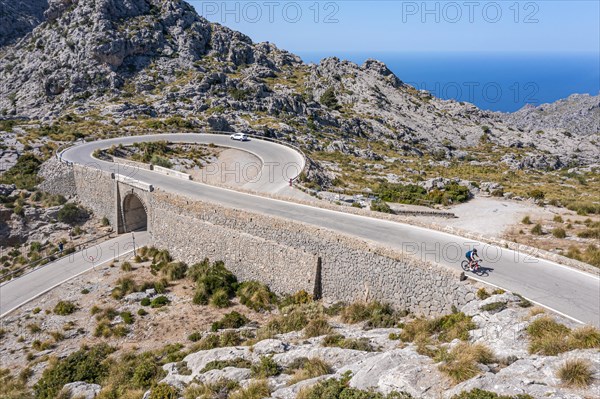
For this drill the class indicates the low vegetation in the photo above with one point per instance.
(482, 394)
(265, 367)
(374, 314)
(444, 328)
(214, 283)
(304, 369)
(334, 388)
(338, 340)
(550, 338)
(590, 255)
(575, 373)
(24, 174)
(218, 389)
(256, 296)
(255, 390)
(461, 362)
(64, 308)
(317, 327)
(72, 214)
(230, 320)
(221, 364)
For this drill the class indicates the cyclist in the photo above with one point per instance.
(471, 257)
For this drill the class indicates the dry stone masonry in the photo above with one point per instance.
(286, 255)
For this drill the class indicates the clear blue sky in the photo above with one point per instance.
(376, 26)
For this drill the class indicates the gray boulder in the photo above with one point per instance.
(82, 390)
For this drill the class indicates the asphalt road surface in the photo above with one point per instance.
(17, 292)
(570, 292)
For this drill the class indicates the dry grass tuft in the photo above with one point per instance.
(575, 373)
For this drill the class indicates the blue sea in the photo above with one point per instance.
(492, 81)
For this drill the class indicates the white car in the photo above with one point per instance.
(239, 136)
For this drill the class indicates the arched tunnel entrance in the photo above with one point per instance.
(135, 217)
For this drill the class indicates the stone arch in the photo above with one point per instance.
(135, 215)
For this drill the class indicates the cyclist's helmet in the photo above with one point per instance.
(474, 250)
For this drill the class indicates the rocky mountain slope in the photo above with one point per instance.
(19, 18)
(578, 114)
(128, 58)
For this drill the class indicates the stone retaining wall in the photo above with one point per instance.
(58, 178)
(285, 255)
(96, 190)
(281, 253)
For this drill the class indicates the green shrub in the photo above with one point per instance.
(256, 296)
(85, 365)
(524, 303)
(255, 390)
(64, 308)
(526, 220)
(200, 297)
(559, 232)
(221, 364)
(294, 321)
(230, 320)
(576, 373)
(381, 206)
(340, 389)
(591, 255)
(265, 367)
(174, 271)
(142, 312)
(537, 230)
(219, 389)
(230, 338)
(211, 341)
(338, 340)
(14, 386)
(477, 393)
(316, 328)
(24, 174)
(145, 302)
(212, 279)
(304, 369)
(126, 267)
(482, 293)
(537, 194)
(220, 299)
(159, 302)
(299, 298)
(127, 317)
(558, 219)
(401, 193)
(195, 336)
(452, 193)
(590, 233)
(446, 328)
(584, 207)
(125, 286)
(163, 391)
(71, 214)
(329, 99)
(376, 314)
(494, 307)
(161, 161)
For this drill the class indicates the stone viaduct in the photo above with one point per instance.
(286, 255)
